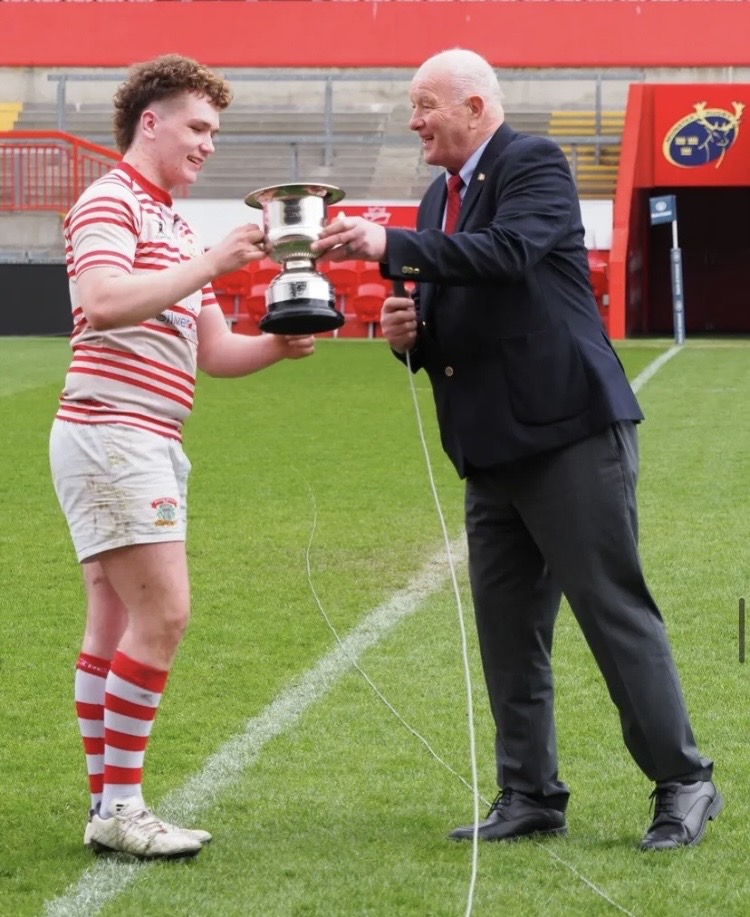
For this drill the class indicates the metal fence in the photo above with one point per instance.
(47, 170)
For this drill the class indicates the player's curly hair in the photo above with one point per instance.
(158, 79)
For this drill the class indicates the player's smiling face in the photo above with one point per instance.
(181, 132)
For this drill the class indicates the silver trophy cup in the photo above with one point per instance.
(299, 300)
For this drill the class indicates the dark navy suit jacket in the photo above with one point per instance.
(509, 332)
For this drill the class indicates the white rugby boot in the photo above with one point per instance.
(203, 837)
(134, 829)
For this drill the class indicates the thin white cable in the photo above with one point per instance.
(464, 648)
(410, 728)
(576, 873)
(389, 705)
(637, 384)
(642, 379)
(354, 662)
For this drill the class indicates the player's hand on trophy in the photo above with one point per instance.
(398, 322)
(243, 244)
(351, 237)
(297, 346)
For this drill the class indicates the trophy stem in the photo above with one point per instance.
(299, 300)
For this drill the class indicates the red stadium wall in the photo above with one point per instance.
(689, 141)
(403, 216)
(627, 254)
(300, 33)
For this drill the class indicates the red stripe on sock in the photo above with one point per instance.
(129, 776)
(93, 746)
(94, 665)
(96, 783)
(116, 704)
(138, 673)
(86, 711)
(124, 741)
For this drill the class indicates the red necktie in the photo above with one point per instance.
(453, 205)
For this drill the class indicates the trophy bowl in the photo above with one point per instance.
(299, 300)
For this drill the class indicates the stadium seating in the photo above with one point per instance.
(593, 164)
(368, 304)
(599, 276)
(344, 275)
(256, 301)
(334, 128)
(260, 145)
(231, 291)
(9, 112)
(263, 271)
(364, 148)
(359, 289)
(370, 274)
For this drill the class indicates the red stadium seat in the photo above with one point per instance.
(599, 278)
(344, 275)
(231, 292)
(226, 302)
(368, 304)
(263, 271)
(371, 274)
(256, 301)
(378, 287)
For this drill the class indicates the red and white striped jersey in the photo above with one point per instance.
(143, 375)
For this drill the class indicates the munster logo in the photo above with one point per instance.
(703, 136)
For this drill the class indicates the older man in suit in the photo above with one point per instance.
(536, 414)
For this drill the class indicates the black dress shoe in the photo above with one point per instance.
(513, 815)
(681, 813)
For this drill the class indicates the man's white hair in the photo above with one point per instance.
(469, 73)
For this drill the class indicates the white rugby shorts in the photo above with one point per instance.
(118, 485)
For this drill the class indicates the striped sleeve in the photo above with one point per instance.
(208, 297)
(103, 228)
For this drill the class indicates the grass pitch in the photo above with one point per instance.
(327, 804)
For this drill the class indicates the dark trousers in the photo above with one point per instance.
(565, 522)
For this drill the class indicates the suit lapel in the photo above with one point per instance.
(433, 204)
(499, 140)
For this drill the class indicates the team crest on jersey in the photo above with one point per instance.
(166, 511)
(161, 232)
(703, 136)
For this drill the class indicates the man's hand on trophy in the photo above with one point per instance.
(243, 244)
(351, 237)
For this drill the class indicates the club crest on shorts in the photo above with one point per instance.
(166, 511)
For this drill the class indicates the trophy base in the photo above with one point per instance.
(303, 316)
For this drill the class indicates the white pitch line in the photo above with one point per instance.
(107, 878)
(642, 378)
